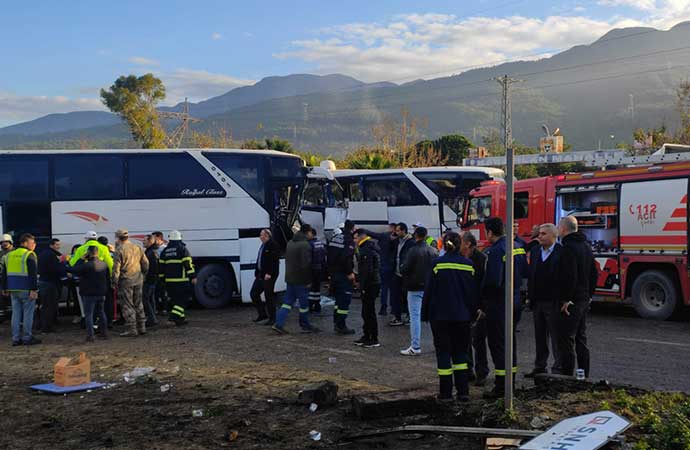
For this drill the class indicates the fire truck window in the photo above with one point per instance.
(521, 205)
(480, 209)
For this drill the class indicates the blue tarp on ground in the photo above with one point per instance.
(53, 388)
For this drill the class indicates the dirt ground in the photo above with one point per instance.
(242, 376)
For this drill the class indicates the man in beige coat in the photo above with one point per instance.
(129, 267)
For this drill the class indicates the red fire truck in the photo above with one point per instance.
(636, 219)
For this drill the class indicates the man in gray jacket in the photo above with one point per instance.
(415, 270)
(298, 280)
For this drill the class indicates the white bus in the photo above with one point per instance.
(218, 199)
(433, 196)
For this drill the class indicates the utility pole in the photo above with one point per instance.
(177, 136)
(505, 83)
(632, 107)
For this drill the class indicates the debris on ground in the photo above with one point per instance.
(313, 407)
(138, 374)
(324, 393)
(197, 413)
(315, 435)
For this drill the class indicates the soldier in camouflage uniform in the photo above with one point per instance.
(129, 267)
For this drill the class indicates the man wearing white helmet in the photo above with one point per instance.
(177, 271)
(6, 245)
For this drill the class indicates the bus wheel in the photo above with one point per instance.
(213, 286)
(654, 295)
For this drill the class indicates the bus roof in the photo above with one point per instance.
(139, 150)
(489, 171)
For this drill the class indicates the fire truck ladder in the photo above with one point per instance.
(668, 153)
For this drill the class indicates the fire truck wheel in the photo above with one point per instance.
(213, 287)
(654, 295)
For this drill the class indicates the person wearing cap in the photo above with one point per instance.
(91, 239)
(177, 271)
(129, 267)
(20, 280)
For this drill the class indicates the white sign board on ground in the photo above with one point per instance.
(588, 432)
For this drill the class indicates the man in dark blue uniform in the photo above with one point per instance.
(493, 299)
(341, 263)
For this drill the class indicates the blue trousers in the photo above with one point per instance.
(23, 309)
(343, 298)
(301, 295)
(94, 305)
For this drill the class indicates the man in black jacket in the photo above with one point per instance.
(265, 276)
(50, 272)
(415, 270)
(151, 280)
(479, 364)
(397, 289)
(543, 294)
(388, 243)
(577, 275)
(369, 279)
(94, 285)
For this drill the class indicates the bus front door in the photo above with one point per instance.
(370, 215)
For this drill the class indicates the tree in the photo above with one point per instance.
(454, 147)
(367, 158)
(280, 145)
(134, 99)
(683, 106)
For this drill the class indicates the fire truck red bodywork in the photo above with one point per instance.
(645, 228)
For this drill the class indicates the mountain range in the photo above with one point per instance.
(596, 94)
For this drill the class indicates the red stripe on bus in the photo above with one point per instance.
(654, 239)
(685, 199)
(679, 212)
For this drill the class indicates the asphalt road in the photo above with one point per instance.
(624, 348)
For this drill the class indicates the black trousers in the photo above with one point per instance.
(267, 287)
(581, 348)
(48, 294)
(369, 294)
(180, 295)
(480, 362)
(567, 328)
(495, 327)
(451, 341)
(544, 314)
(315, 292)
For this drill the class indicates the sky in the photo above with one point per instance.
(57, 55)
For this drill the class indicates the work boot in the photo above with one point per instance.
(130, 333)
(33, 341)
(279, 330)
(372, 343)
(311, 329)
(270, 322)
(461, 383)
(383, 311)
(360, 342)
(260, 318)
(89, 339)
(445, 388)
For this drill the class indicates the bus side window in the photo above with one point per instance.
(356, 192)
(92, 177)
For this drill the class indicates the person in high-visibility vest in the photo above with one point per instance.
(177, 271)
(450, 304)
(20, 279)
(103, 251)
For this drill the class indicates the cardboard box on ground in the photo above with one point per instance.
(73, 371)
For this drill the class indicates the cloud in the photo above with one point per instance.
(645, 5)
(414, 46)
(216, 36)
(17, 108)
(430, 45)
(141, 61)
(197, 84)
